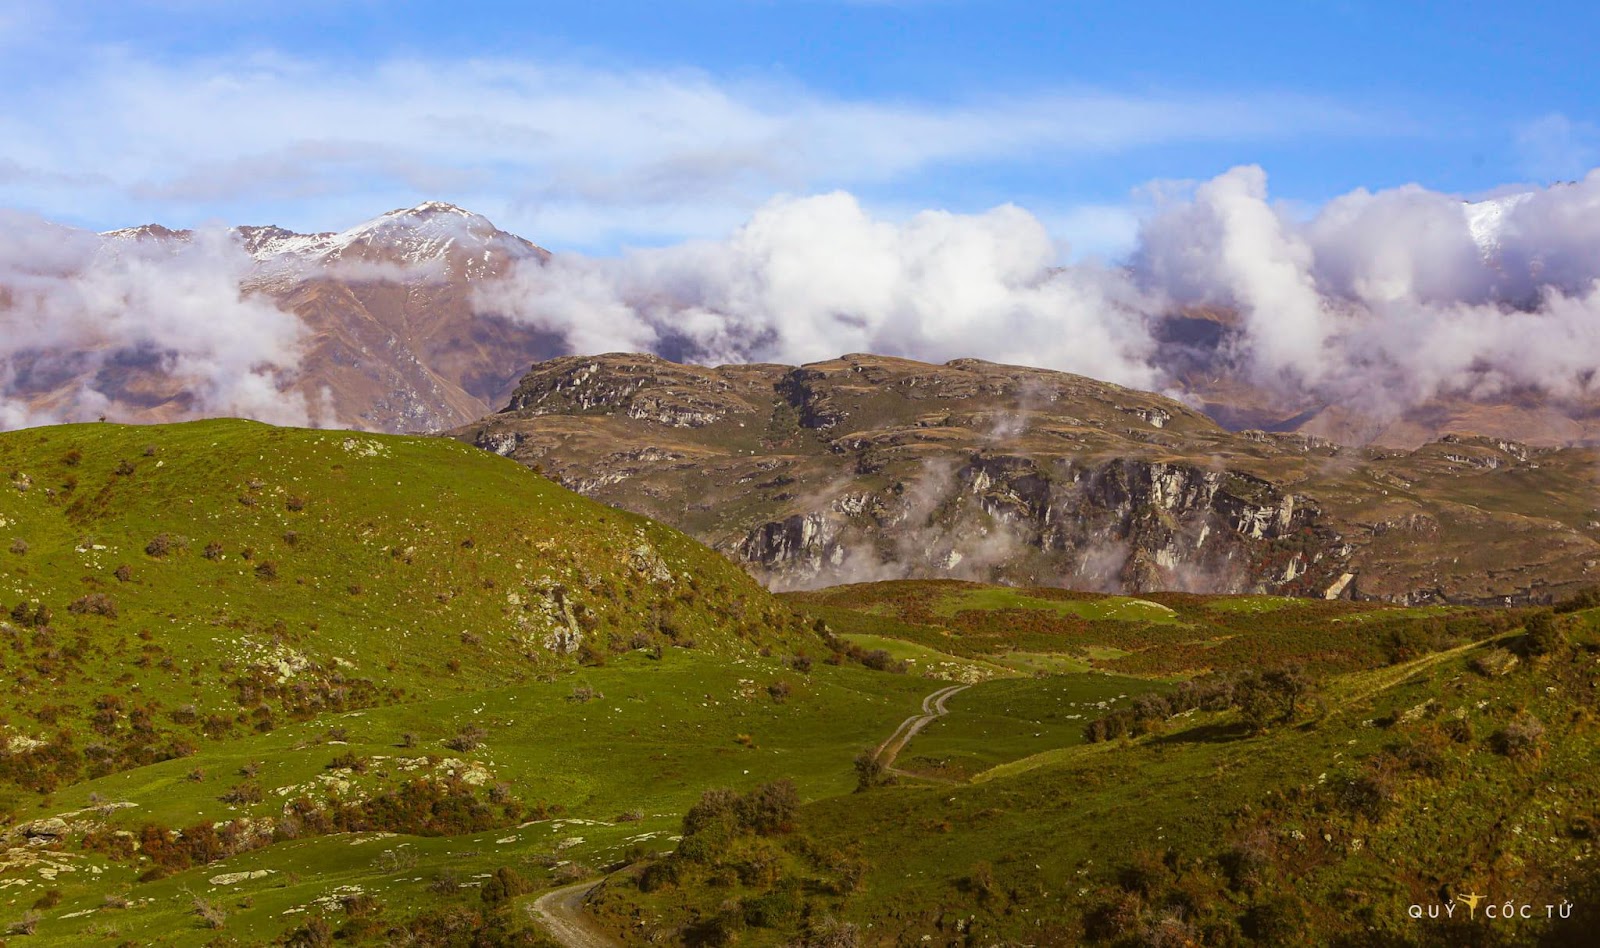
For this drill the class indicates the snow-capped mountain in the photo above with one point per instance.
(395, 342)
(1486, 219)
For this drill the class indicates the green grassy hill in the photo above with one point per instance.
(270, 686)
(229, 646)
(169, 585)
(1425, 754)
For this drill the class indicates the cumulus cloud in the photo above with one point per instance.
(91, 327)
(810, 278)
(1384, 300)
(1379, 301)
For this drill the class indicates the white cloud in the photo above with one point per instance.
(538, 145)
(808, 279)
(79, 312)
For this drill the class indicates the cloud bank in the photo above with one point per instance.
(1378, 301)
(94, 327)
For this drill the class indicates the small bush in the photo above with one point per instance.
(19, 546)
(213, 551)
(160, 545)
(880, 660)
(124, 573)
(506, 883)
(870, 771)
(468, 739)
(1541, 635)
(211, 914)
(94, 604)
(243, 794)
(26, 925)
(1521, 737)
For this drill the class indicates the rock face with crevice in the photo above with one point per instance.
(870, 467)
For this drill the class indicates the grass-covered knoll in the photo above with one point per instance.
(1160, 635)
(1471, 769)
(165, 587)
(556, 780)
(271, 679)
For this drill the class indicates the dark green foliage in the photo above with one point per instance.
(506, 883)
(1541, 635)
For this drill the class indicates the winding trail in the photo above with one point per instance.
(562, 914)
(561, 910)
(932, 709)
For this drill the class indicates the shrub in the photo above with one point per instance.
(267, 571)
(315, 933)
(779, 690)
(94, 604)
(468, 739)
(243, 794)
(19, 546)
(160, 545)
(26, 925)
(124, 573)
(506, 883)
(211, 914)
(445, 882)
(1521, 737)
(770, 808)
(880, 660)
(870, 771)
(1541, 635)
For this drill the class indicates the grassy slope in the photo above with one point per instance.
(451, 581)
(1390, 792)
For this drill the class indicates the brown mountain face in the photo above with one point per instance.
(394, 341)
(869, 467)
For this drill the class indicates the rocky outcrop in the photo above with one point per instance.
(868, 467)
(1122, 524)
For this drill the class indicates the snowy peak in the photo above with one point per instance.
(1486, 219)
(433, 234)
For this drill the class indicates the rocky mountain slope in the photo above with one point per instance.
(393, 339)
(869, 467)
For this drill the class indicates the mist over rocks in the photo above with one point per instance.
(868, 467)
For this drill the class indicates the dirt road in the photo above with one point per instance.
(932, 709)
(562, 914)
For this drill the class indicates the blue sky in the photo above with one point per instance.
(591, 126)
